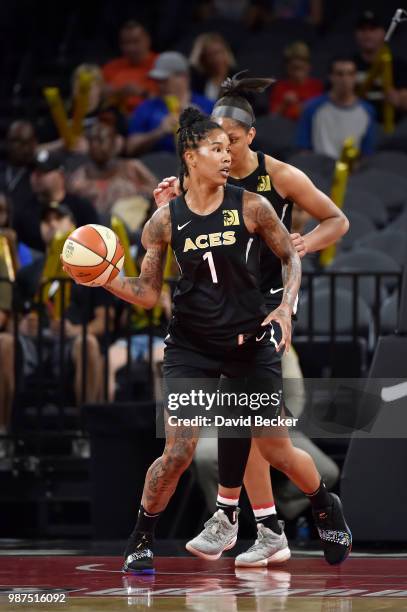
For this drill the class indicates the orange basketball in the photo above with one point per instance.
(93, 255)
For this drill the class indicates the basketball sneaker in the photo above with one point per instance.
(270, 547)
(335, 535)
(218, 535)
(138, 557)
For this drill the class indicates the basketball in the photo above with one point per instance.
(93, 255)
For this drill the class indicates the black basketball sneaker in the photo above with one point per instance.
(336, 537)
(138, 557)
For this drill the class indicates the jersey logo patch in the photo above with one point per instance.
(264, 183)
(231, 217)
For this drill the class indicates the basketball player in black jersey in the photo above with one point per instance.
(220, 317)
(282, 185)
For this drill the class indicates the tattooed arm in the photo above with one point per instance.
(145, 289)
(260, 217)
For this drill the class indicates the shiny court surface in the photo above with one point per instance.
(187, 583)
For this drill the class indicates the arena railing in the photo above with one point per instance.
(50, 384)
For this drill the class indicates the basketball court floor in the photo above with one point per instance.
(96, 583)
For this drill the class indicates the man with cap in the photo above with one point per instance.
(369, 33)
(48, 185)
(153, 124)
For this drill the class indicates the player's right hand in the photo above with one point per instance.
(166, 190)
(299, 244)
(282, 315)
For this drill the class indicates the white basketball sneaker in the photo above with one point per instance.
(269, 548)
(218, 535)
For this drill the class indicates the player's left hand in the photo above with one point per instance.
(166, 190)
(282, 315)
(299, 244)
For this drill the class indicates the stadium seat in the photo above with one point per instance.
(396, 141)
(390, 161)
(360, 226)
(341, 355)
(310, 162)
(366, 203)
(391, 243)
(388, 314)
(399, 223)
(275, 135)
(324, 183)
(390, 188)
(368, 261)
(322, 314)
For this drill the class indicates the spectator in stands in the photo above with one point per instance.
(106, 178)
(258, 12)
(236, 10)
(6, 360)
(153, 125)
(127, 77)
(13, 255)
(212, 61)
(369, 33)
(307, 10)
(20, 254)
(288, 95)
(85, 305)
(140, 322)
(8, 259)
(21, 143)
(328, 120)
(48, 185)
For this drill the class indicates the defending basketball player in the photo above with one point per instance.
(282, 185)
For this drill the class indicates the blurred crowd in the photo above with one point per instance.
(126, 142)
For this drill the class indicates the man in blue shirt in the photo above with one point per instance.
(328, 120)
(153, 125)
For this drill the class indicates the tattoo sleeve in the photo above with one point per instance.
(264, 221)
(145, 289)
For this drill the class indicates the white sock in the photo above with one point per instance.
(263, 511)
(227, 501)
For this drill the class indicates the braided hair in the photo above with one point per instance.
(233, 93)
(193, 127)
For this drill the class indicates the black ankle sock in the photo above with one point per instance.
(146, 521)
(271, 522)
(320, 498)
(230, 511)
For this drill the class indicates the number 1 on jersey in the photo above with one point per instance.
(208, 255)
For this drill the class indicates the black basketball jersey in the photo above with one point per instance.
(259, 181)
(217, 299)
